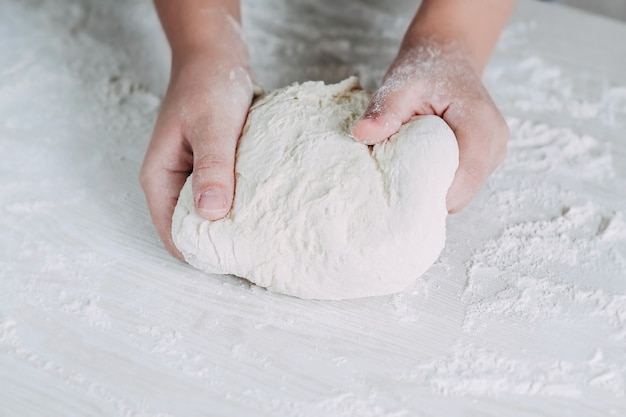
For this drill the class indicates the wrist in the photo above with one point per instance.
(471, 28)
(209, 55)
(219, 38)
(202, 30)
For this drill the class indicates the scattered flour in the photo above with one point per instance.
(89, 299)
(469, 369)
(538, 87)
(538, 147)
(545, 271)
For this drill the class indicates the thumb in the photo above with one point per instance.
(214, 142)
(214, 147)
(387, 111)
(213, 136)
(213, 181)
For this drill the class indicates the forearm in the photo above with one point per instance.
(471, 25)
(200, 27)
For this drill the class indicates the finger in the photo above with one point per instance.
(166, 166)
(213, 180)
(214, 141)
(382, 118)
(482, 134)
(388, 109)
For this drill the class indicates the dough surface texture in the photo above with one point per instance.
(317, 214)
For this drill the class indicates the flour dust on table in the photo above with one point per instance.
(319, 215)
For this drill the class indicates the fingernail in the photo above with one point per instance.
(213, 200)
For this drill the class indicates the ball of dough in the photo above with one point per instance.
(319, 215)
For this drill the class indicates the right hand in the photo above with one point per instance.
(199, 124)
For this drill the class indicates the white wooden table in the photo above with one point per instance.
(523, 315)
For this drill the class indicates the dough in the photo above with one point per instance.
(317, 214)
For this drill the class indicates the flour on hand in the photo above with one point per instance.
(319, 215)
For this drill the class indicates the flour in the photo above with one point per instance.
(318, 214)
(540, 87)
(545, 270)
(548, 271)
(473, 370)
(522, 315)
(540, 148)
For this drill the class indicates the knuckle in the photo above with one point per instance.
(212, 161)
(213, 169)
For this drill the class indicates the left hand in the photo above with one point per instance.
(430, 77)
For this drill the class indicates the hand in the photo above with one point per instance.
(431, 78)
(437, 71)
(197, 129)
